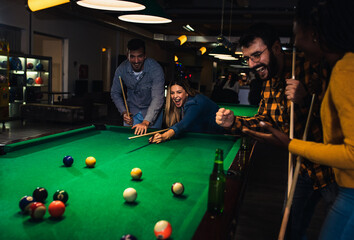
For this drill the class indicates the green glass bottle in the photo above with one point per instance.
(217, 185)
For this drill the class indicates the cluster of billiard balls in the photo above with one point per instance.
(34, 205)
(69, 160)
(162, 229)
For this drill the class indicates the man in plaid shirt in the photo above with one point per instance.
(263, 52)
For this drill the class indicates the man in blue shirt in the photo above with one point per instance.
(145, 82)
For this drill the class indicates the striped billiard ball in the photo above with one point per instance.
(37, 210)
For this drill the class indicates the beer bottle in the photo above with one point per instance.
(217, 185)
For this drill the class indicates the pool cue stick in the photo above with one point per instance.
(147, 134)
(291, 130)
(286, 214)
(125, 100)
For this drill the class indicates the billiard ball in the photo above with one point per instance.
(40, 194)
(90, 162)
(130, 194)
(25, 203)
(38, 80)
(37, 210)
(128, 237)
(162, 229)
(61, 195)
(177, 189)
(136, 173)
(56, 209)
(68, 161)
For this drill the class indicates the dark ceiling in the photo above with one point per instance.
(204, 16)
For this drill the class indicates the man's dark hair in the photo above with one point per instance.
(263, 31)
(135, 44)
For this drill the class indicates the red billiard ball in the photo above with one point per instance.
(162, 229)
(37, 210)
(68, 161)
(56, 209)
(25, 203)
(40, 194)
(177, 189)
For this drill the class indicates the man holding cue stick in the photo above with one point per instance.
(145, 82)
(263, 52)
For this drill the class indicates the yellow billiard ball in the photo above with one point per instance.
(130, 194)
(136, 173)
(90, 162)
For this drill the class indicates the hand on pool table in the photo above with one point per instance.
(225, 117)
(159, 138)
(141, 128)
(274, 137)
(127, 118)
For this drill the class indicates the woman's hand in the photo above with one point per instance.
(159, 138)
(275, 137)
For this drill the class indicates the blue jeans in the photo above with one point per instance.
(139, 118)
(339, 222)
(304, 203)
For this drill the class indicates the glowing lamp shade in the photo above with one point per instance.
(112, 5)
(152, 14)
(176, 59)
(180, 40)
(36, 5)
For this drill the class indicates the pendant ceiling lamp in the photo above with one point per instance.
(36, 5)
(152, 14)
(221, 50)
(113, 5)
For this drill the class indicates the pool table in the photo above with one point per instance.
(240, 109)
(96, 208)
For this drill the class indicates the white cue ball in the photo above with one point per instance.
(177, 188)
(130, 194)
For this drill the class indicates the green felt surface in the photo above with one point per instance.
(96, 208)
(240, 110)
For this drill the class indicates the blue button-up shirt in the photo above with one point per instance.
(198, 116)
(145, 94)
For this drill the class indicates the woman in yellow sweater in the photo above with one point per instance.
(335, 35)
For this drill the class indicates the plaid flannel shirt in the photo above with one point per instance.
(275, 109)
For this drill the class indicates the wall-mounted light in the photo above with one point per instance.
(180, 40)
(36, 5)
(201, 51)
(176, 58)
(113, 5)
(104, 49)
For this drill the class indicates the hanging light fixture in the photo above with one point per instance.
(221, 50)
(36, 5)
(153, 14)
(113, 5)
(181, 40)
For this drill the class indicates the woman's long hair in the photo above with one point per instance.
(172, 113)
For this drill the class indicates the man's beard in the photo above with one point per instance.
(272, 67)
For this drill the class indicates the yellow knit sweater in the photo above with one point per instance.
(337, 116)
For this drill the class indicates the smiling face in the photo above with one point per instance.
(258, 56)
(178, 95)
(136, 59)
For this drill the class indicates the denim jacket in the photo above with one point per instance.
(145, 94)
(198, 116)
